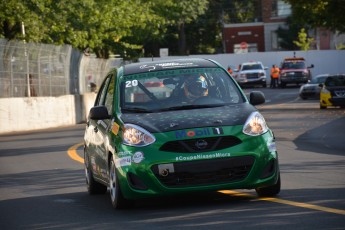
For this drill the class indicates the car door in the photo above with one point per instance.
(103, 129)
(97, 129)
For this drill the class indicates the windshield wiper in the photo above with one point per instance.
(186, 107)
(136, 110)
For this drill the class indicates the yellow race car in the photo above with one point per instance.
(333, 91)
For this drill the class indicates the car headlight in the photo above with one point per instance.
(255, 125)
(134, 135)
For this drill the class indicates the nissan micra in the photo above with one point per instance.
(177, 126)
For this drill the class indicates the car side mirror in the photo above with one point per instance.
(320, 85)
(256, 98)
(311, 66)
(99, 113)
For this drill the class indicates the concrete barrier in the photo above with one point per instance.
(34, 113)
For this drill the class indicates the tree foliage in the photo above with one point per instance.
(288, 35)
(303, 41)
(319, 13)
(100, 26)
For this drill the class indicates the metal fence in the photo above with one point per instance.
(31, 69)
(93, 70)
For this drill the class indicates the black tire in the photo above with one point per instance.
(323, 107)
(264, 85)
(93, 187)
(270, 190)
(117, 199)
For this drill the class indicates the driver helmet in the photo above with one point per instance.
(195, 87)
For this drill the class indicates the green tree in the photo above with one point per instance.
(288, 35)
(184, 12)
(303, 41)
(100, 26)
(319, 13)
(15, 12)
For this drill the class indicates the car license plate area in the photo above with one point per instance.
(203, 172)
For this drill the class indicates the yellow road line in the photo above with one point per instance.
(288, 202)
(72, 153)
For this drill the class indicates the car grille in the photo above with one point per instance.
(295, 74)
(206, 172)
(200, 144)
(338, 93)
(252, 75)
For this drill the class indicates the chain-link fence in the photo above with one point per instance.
(30, 69)
(93, 71)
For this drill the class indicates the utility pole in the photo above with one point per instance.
(27, 62)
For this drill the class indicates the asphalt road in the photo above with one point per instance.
(42, 183)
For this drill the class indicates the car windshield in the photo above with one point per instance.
(318, 80)
(335, 81)
(251, 67)
(293, 65)
(178, 89)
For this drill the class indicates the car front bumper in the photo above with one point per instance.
(250, 164)
(327, 100)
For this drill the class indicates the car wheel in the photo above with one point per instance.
(304, 97)
(264, 85)
(323, 107)
(270, 190)
(93, 187)
(117, 199)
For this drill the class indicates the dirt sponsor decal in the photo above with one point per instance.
(138, 157)
(124, 153)
(202, 156)
(115, 128)
(123, 161)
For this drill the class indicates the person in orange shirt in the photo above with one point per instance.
(274, 76)
(230, 70)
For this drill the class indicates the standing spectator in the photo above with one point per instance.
(230, 70)
(274, 76)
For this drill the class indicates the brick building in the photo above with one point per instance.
(260, 35)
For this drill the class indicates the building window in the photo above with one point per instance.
(280, 8)
(274, 40)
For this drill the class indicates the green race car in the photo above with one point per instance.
(177, 126)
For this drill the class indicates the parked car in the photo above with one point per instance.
(312, 88)
(333, 91)
(177, 126)
(251, 74)
(294, 71)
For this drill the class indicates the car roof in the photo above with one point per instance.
(294, 59)
(252, 63)
(143, 67)
(322, 75)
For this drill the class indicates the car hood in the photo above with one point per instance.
(195, 118)
(253, 71)
(292, 70)
(310, 85)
